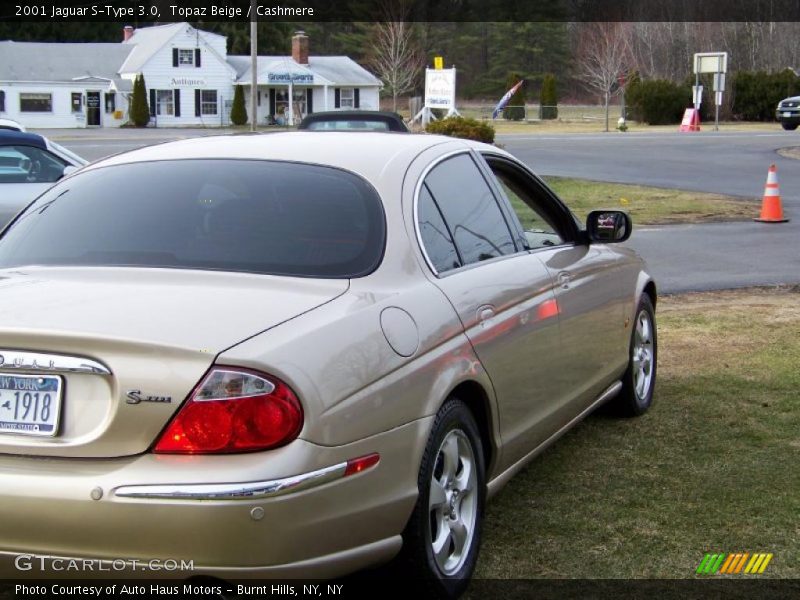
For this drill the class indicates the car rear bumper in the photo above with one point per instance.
(287, 513)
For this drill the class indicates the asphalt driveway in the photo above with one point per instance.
(690, 257)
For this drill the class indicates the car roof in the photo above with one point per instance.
(365, 153)
(10, 137)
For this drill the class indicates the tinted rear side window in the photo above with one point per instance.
(234, 215)
(470, 210)
(435, 236)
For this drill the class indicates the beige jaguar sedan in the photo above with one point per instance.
(301, 354)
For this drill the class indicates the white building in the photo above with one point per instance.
(188, 74)
(63, 85)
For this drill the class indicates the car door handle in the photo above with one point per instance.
(564, 279)
(485, 313)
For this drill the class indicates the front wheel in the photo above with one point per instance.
(789, 126)
(442, 538)
(639, 380)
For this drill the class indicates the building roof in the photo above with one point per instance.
(146, 41)
(339, 70)
(48, 61)
(342, 70)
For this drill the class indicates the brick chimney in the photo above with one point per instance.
(300, 47)
(127, 32)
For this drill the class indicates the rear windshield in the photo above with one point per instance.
(356, 124)
(265, 217)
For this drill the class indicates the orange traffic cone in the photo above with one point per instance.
(771, 209)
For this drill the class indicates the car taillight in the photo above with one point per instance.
(234, 410)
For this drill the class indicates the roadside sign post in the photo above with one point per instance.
(440, 92)
(697, 96)
(716, 63)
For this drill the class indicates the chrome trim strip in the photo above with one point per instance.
(51, 363)
(235, 491)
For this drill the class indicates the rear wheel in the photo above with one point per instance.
(441, 540)
(639, 380)
(789, 126)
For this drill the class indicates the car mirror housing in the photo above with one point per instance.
(608, 226)
(69, 170)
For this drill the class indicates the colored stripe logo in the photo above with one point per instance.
(734, 564)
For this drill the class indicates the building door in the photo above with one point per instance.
(93, 109)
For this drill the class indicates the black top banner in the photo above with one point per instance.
(165, 11)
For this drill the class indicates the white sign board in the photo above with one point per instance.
(440, 88)
(711, 62)
(697, 96)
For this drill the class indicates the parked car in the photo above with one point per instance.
(788, 113)
(354, 120)
(275, 358)
(12, 125)
(29, 164)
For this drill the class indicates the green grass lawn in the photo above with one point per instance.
(648, 205)
(713, 467)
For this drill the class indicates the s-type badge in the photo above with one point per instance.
(136, 396)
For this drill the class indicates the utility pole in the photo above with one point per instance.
(253, 66)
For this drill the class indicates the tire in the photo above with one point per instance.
(448, 515)
(789, 126)
(639, 380)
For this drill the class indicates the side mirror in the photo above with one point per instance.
(68, 170)
(608, 226)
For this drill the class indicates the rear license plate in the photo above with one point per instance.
(30, 404)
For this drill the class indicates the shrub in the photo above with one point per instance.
(548, 98)
(756, 94)
(139, 111)
(657, 101)
(469, 129)
(238, 110)
(515, 109)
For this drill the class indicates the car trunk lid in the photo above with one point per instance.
(144, 338)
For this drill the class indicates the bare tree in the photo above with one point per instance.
(396, 56)
(603, 55)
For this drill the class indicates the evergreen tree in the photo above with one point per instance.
(238, 110)
(139, 111)
(515, 109)
(548, 99)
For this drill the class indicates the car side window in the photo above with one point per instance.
(436, 237)
(539, 228)
(470, 210)
(28, 164)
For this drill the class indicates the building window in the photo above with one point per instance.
(208, 102)
(185, 57)
(111, 102)
(77, 102)
(347, 98)
(36, 102)
(165, 104)
(2, 101)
